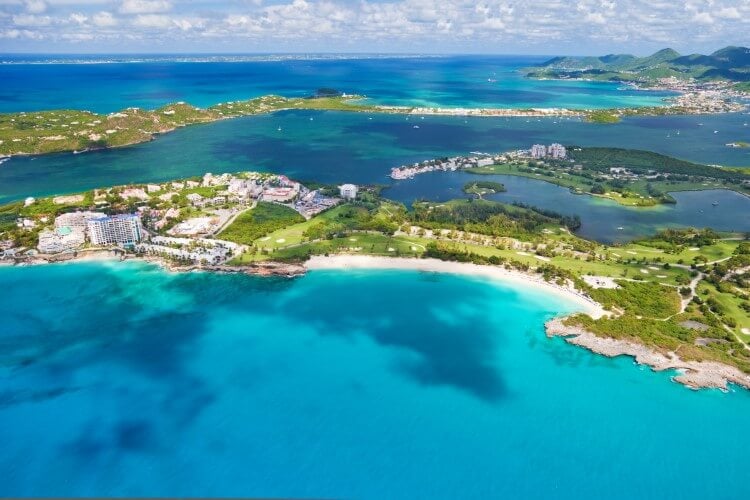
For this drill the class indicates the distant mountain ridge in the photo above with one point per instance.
(730, 63)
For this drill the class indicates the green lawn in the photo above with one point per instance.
(261, 220)
(354, 243)
(294, 234)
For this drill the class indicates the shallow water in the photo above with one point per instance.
(121, 379)
(465, 81)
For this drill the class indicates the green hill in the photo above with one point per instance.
(729, 64)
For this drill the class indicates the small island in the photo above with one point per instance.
(483, 188)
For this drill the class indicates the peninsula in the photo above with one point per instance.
(40, 132)
(629, 177)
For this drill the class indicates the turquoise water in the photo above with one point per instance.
(120, 379)
(465, 81)
(353, 147)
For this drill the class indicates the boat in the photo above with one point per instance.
(620, 228)
(715, 203)
(416, 126)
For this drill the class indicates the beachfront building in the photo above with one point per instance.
(124, 229)
(348, 191)
(62, 239)
(245, 188)
(538, 151)
(76, 220)
(557, 151)
(194, 226)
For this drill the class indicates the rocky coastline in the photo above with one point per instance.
(693, 374)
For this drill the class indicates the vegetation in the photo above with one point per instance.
(729, 63)
(487, 217)
(70, 130)
(644, 178)
(638, 161)
(261, 220)
(481, 188)
(645, 299)
(603, 116)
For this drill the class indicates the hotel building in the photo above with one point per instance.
(122, 229)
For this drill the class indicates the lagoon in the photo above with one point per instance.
(121, 379)
(601, 220)
(337, 147)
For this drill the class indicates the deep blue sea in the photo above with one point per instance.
(124, 380)
(31, 83)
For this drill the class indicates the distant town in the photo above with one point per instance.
(537, 151)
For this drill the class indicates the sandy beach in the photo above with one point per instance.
(692, 374)
(584, 304)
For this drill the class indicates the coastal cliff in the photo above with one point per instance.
(693, 374)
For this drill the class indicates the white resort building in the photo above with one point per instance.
(557, 151)
(538, 151)
(62, 239)
(348, 191)
(554, 150)
(124, 229)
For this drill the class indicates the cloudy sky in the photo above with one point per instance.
(409, 26)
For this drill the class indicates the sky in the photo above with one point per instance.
(549, 27)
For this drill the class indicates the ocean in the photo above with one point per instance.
(107, 84)
(120, 379)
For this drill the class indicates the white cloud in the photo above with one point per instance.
(104, 19)
(78, 18)
(596, 18)
(728, 13)
(14, 34)
(152, 21)
(31, 20)
(145, 6)
(35, 6)
(78, 37)
(393, 25)
(703, 18)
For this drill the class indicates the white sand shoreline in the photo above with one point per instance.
(583, 303)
